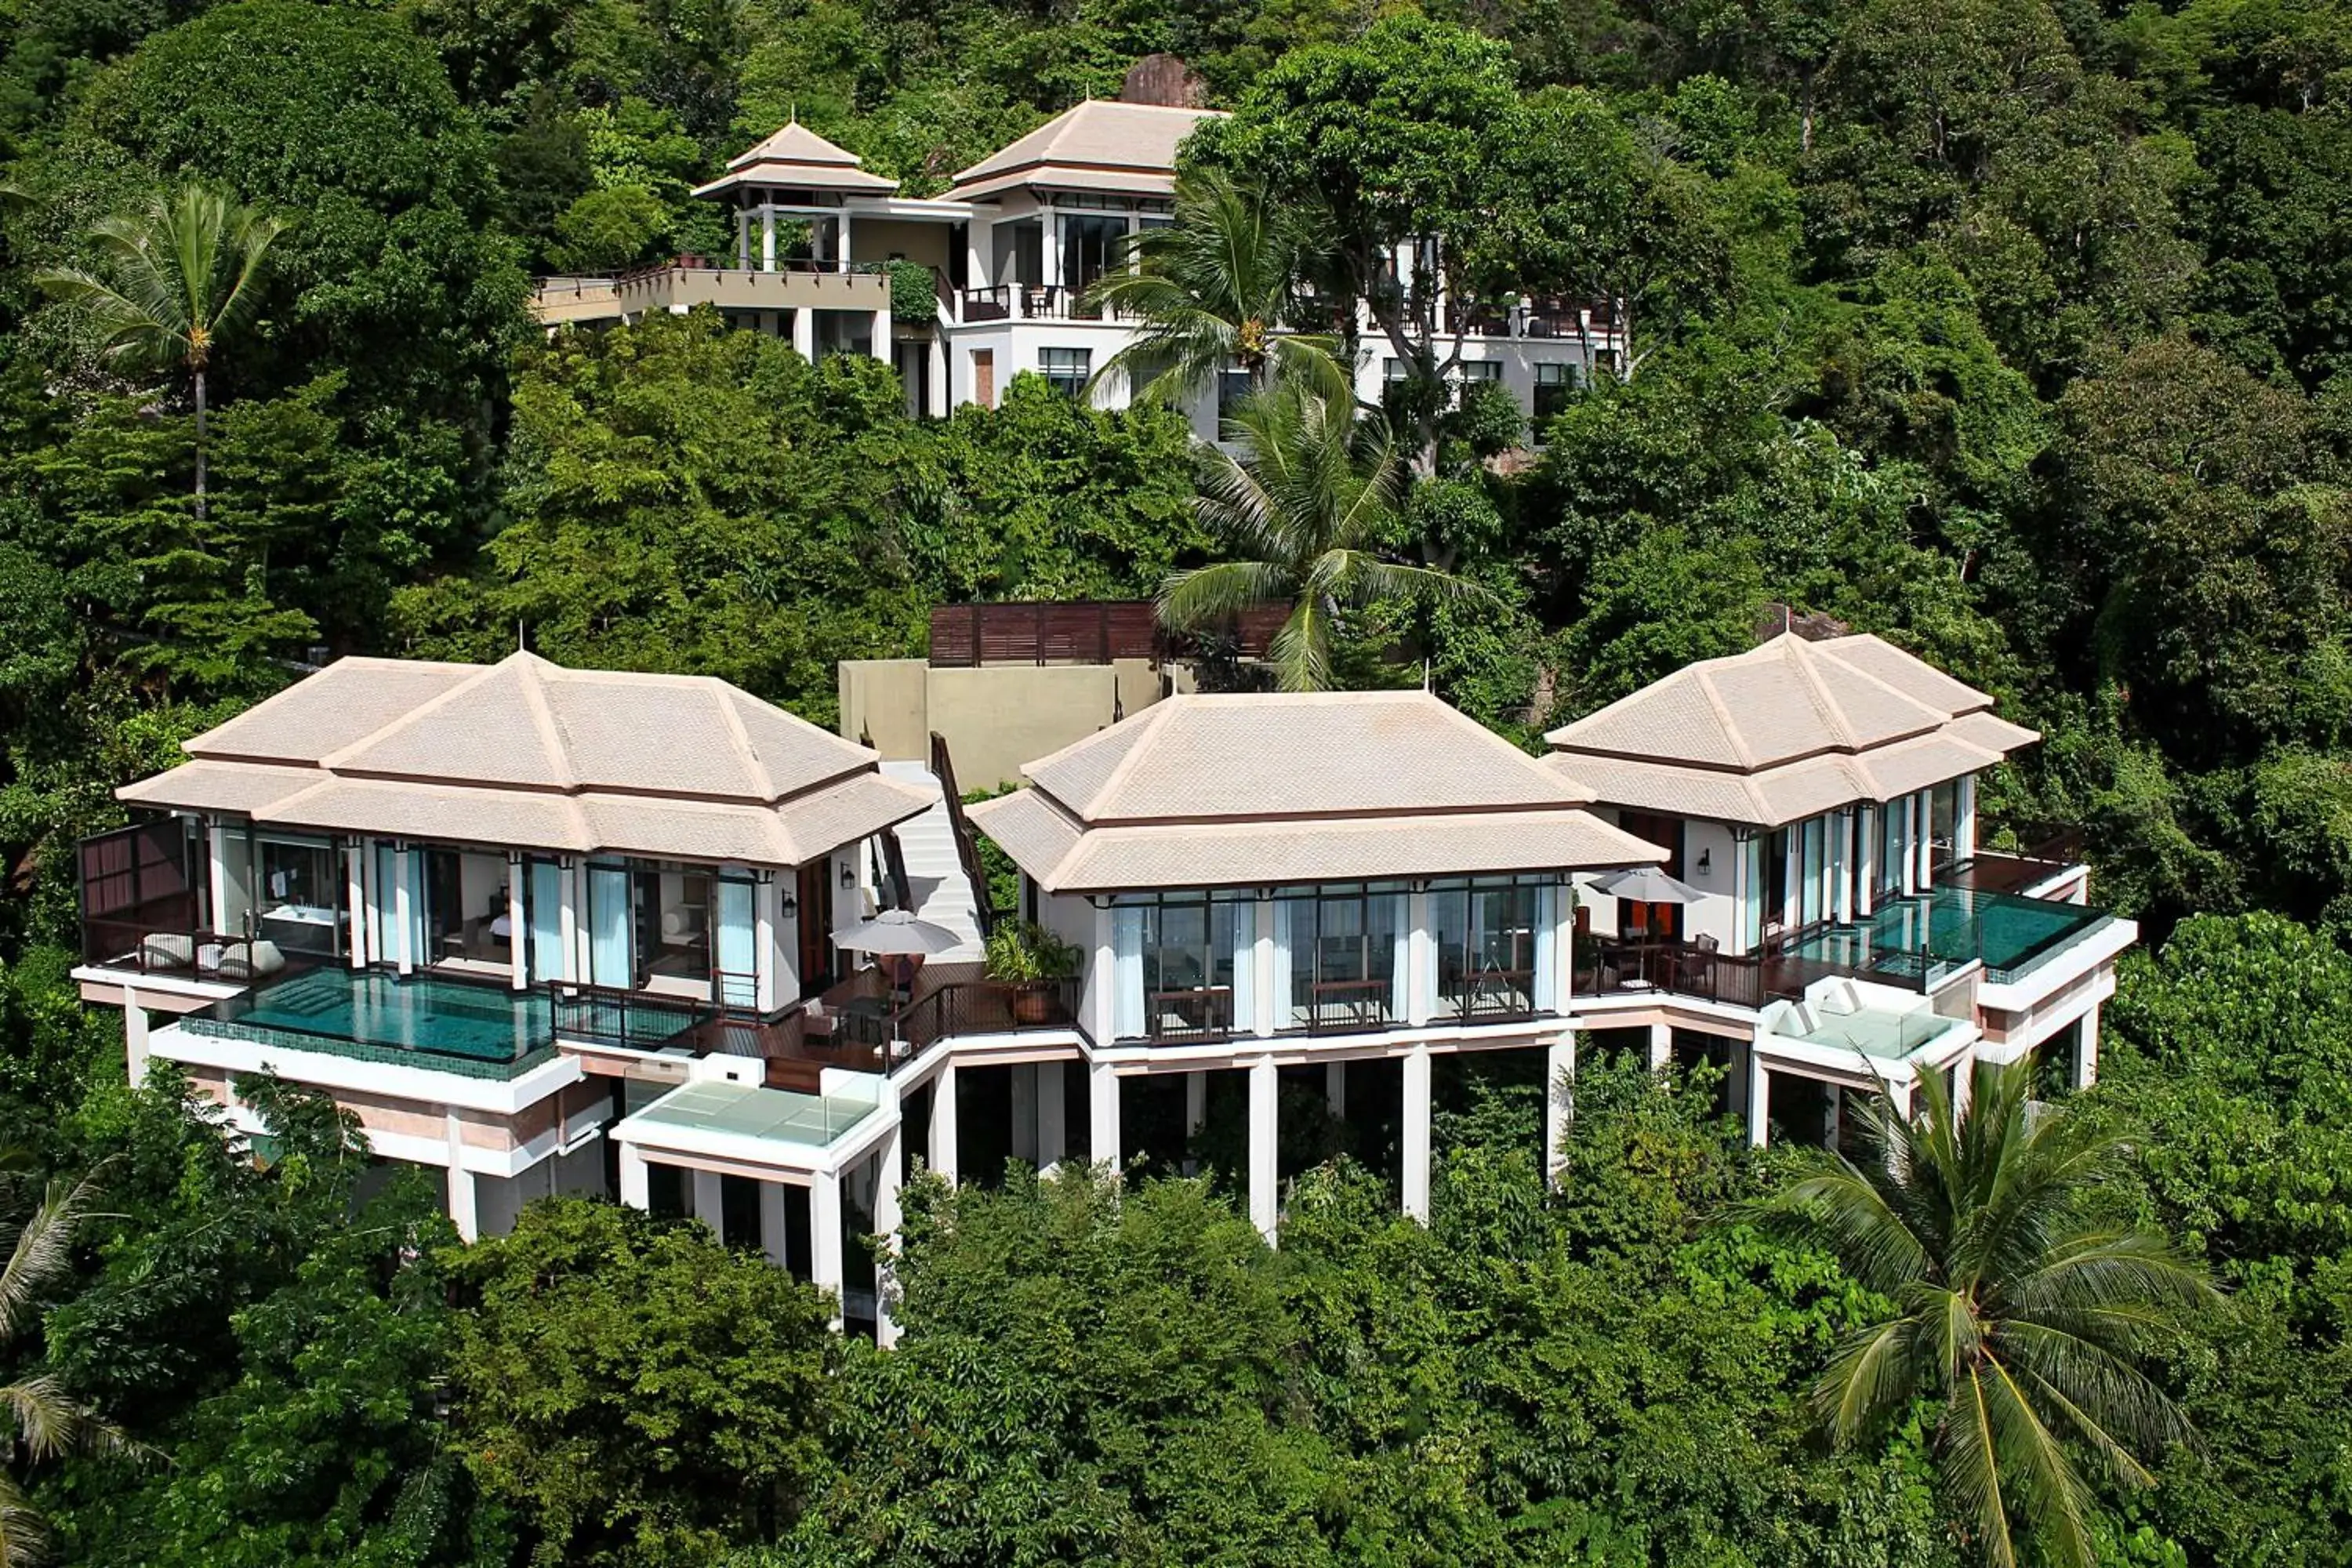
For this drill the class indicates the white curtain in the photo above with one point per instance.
(1127, 1020)
(1244, 967)
(546, 895)
(608, 926)
(1400, 962)
(738, 954)
(1285, 1008)
(383, 933)
(1547, 981)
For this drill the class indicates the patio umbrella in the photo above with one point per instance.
(900, 939)
(894, 933)
(1647, 885)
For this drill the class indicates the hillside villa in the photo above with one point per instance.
(553, 931)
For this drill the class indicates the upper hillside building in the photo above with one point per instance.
(1013, 246)
(552, 929)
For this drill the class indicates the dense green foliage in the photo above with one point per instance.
(2013, 329)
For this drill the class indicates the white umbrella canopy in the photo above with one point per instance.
(1647, 885)
(896, 931)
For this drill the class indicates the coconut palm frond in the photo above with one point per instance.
(2015, 1301)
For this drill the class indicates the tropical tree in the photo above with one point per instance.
(185, 273)
(1214, 290)
(1304, 507)
(2017, 1306)
(46, 1422)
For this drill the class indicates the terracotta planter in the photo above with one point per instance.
(1033, 1004)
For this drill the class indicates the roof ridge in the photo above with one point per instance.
(1703, 679)
(1580, 796)
(1155, 718)
(1817, 691)
(554, 737)
(330, 761)
(1944, 715)
(730, 718)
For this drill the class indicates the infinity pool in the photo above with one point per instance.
(1923, 937)
(330, 1009)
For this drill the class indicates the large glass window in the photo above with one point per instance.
(1812, 872)
(1340, 956)
(1555, 384)
(299, 906)
(1490, 934)
(1185, 964)
(1067, 369)
(1943, 825)
(1090, 247)
(1894, 849)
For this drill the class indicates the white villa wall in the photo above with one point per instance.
(1717, 914)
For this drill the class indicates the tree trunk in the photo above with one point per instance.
(200, 446)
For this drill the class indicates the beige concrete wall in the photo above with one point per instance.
(996, 716)
(886, 699)
(874, 238)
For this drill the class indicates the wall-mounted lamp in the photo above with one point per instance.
(1703, 856)
(792, 906)
(849, 874)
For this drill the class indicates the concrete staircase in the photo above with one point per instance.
(943, 894)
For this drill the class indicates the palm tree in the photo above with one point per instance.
(47, 1422)
(2016, 1306)
(1302, 507)
(186, 275)
(1212, 290)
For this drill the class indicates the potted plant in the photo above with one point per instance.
(1026, 957)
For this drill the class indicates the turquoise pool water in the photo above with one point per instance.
(380, 1014)
(1922, 939)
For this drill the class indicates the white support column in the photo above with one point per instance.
(888, 1217)
(1843, 860)
(368, 920)
(463, 1213)
(766, 903)
(775, 1230)
(767, 237)
(2086, 1050)
(941, 1156)
(404, 865)
(356, 900)
(1264, 1171)
(882, 336)
(825, 1269)
(1053, 1116)
(1964, 826)
(1560, 1103)
(1419, 1003)
(135, 1038)
(709, 1202)
(1103, 1131)
(1414, 1140)
(1196, 1103)
(841, 243)
(1335, 1088)
(1868, 828)
(1759, 1098)
(939, 400)
(567, 880)
(1923, 848)
(804, 333)
(635, 1186)
(1268, 1006)
(216, 865)
(517, 927)
(1662, 1046)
